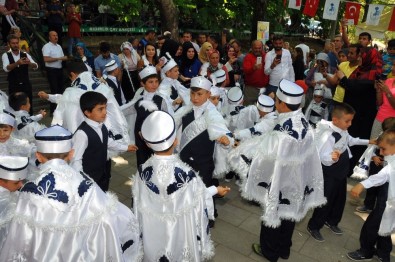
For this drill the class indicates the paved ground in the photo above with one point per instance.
(238, 226)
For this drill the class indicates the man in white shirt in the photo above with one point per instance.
(16, 64)
(305, 48)
(278, 65)
(53, 57)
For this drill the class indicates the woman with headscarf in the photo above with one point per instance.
(204, 49)
(190, 64)
(130, 78)
(214, 65)
(83, 53)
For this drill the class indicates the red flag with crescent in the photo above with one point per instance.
(352, 12)
(310, 7)
(391, 26)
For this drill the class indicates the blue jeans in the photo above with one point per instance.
(71, 43)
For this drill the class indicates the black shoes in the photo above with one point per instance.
(357, 255)
(334, 229)
(316, 234)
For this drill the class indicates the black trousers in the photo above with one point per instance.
(276, 242)
(369, 233)
(335, 191)
(104, 181)
(26, 87)
(56, 83)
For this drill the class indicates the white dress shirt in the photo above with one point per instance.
(283, 70)
(54, 51)
(6, 62)
(342, 145)
(80, 143)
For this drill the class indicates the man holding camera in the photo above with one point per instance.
(254, 77)
(278, 65)
(16, 63)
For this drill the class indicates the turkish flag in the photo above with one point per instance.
(310, 7)
(352, 12)
(391, 26)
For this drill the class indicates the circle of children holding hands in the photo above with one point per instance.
(185, 140)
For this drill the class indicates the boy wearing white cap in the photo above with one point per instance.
(146, 100)
(11, 146)
(13, 170)
(318, 109)
(170, 87)
(282, 172)
(70, 217)
(113, 74)
(199, 127)
(333, 142)
(267, 118)
(171, 202)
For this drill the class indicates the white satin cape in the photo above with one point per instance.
(216, 127)
(7, 210)
(387, 225)
(281, 170)
(68, 111)
(173, 207)
(183, 92)
(265, 124)
(64, 216)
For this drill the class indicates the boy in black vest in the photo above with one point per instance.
(91, 141)
(200, 126)
(335, 157)
(113, 73)
(146, 100)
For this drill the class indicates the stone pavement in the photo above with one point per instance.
(238, 226)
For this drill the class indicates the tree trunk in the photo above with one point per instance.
(169, 17)
(259, 8)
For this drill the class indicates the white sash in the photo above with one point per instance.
(194, 129)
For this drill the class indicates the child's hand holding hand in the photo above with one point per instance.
(132, 148)
(222, 190)
(43, 112)
(224, 140)
(357, 190)
(335, 155)
(373, 142)
(377, 160)
(43, 95)
(177, 101)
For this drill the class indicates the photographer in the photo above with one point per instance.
(16, 64)
(317, 76)
(278, 65)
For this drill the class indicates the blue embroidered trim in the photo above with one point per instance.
(254, 132)
(114, 137)
(237, 110)
(25, 121)
(128, 244)
(182, 178)
(164, 259)
(146, 176)
(46, 188)
(305, 127)
(84, 185)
